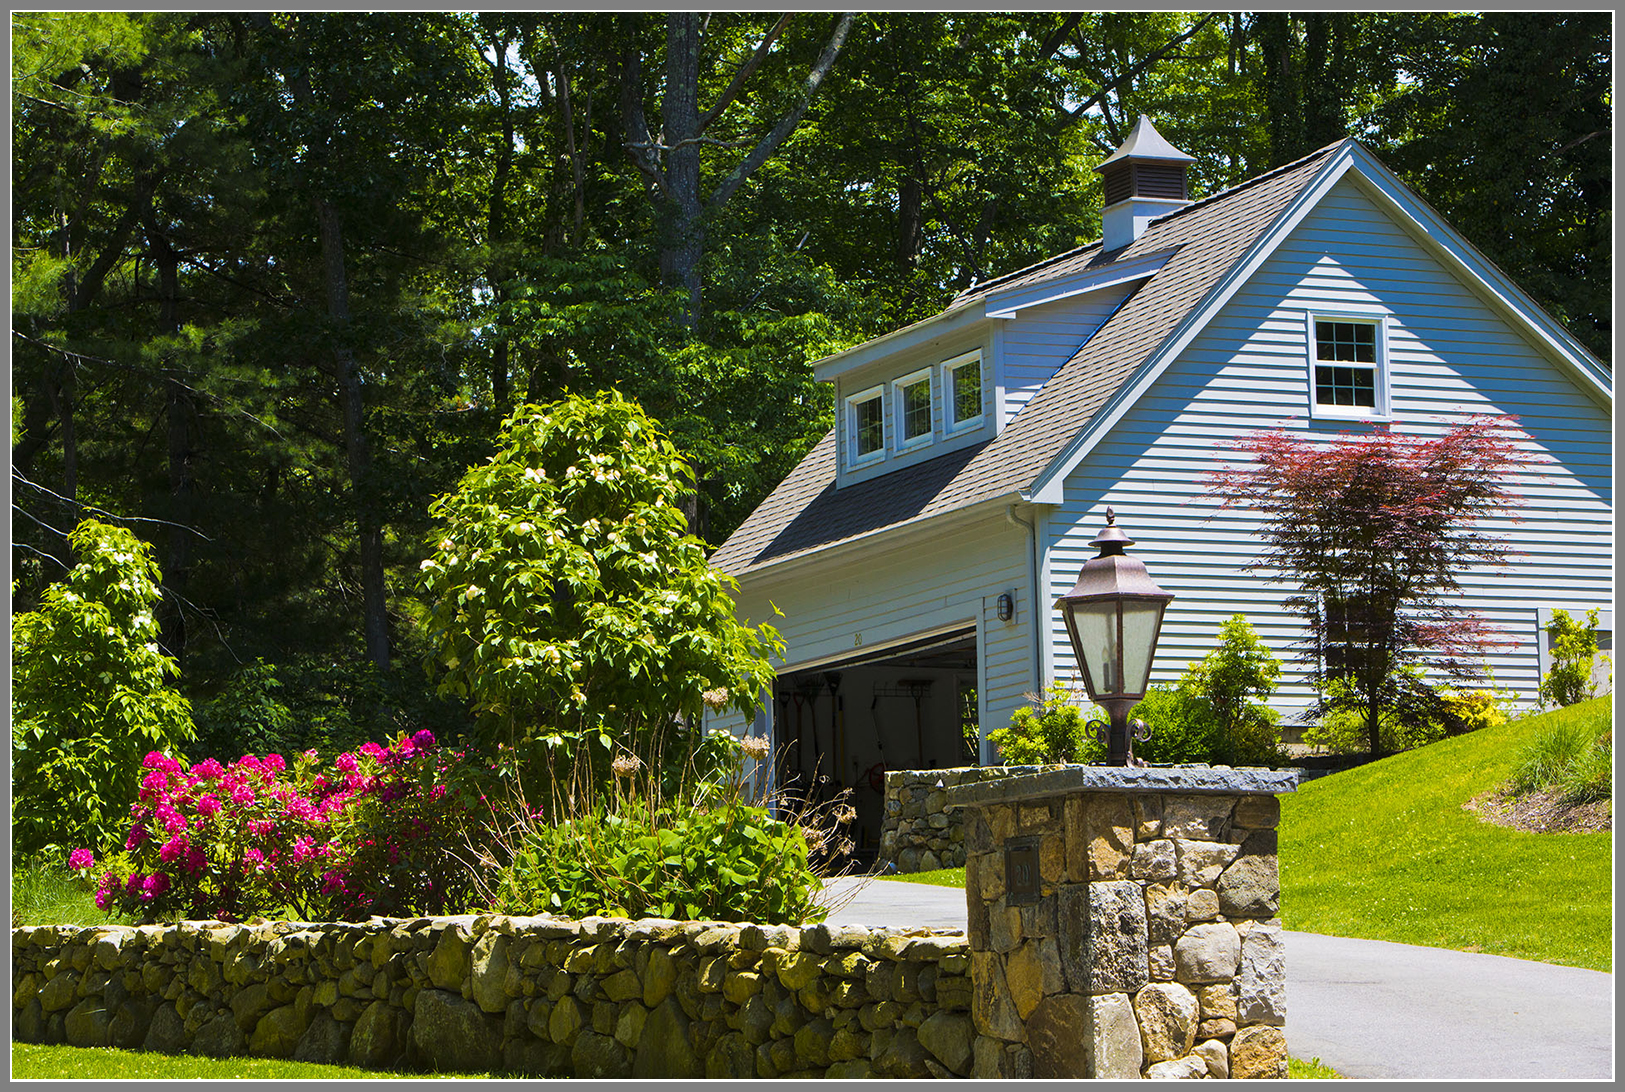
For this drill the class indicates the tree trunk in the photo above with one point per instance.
(178, 419)
(497, 227)
(684, 239)
(369, 529)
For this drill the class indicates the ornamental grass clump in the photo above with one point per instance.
(1573, 758)
(367, 834)
(713, 851)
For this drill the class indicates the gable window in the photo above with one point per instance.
(913, 409)
(1348, 373)
(866, 427)
(962, 392)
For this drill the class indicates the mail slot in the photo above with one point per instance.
(1021, 877)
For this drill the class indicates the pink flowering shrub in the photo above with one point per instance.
(374, 833)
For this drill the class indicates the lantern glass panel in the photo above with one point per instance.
(1140, 621)
(1096, 626)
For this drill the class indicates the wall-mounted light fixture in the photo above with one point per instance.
(1007, 606)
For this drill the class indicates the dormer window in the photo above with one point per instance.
(962, 392)
(866, 426)
(1348, 366)
(913, 409)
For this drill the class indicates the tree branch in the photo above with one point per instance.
(745, 71)
(1057, 38)
(1099, 97)
(787, 124)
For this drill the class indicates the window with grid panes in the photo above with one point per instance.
(962, 390)
(914, 408)
(866, 424)
(1346, 364)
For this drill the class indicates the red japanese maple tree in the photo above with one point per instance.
(1374, 530)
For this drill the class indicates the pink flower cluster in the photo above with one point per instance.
(261, 835)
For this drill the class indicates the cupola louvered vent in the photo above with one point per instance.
(1128, 178)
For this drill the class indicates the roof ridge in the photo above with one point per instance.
(989, 285)
(1247, 183)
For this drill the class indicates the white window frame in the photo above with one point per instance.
(853, 459)
(951, 425)
(900, 386)
(1383, 410)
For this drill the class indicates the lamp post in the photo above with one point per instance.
(1114, 617)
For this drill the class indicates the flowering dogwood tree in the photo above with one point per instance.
(568, 603)
(1375, 531)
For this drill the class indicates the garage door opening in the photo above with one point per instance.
(908, 706)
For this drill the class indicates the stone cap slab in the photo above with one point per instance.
(1126, 779)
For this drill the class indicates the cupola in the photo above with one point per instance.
(1143, 179)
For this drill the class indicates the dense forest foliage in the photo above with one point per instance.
(277, 279)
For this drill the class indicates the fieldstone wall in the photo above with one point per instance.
(1124, 923)
(918, 831)
(600, 998)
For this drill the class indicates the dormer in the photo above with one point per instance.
(917, 393)
(1143, 179)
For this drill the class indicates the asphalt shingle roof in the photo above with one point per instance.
(806, 512)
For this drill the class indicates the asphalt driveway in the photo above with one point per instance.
(1370, 1009)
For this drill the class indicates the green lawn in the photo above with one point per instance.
(29, 1061)
(1386, 852)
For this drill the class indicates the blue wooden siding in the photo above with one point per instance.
(1040, 339)
(1451, 356)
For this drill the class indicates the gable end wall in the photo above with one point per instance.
(1451, 357)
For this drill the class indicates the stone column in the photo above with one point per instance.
(1124, 922)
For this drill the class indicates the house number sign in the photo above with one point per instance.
(1021, 870)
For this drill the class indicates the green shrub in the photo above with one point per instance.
(1343, 730)
(1183, 726)
(1574, 658)
(89, 696)
(707, 854)
(1050, 730)
(247, 717)
(1216, 712)
(732, 862)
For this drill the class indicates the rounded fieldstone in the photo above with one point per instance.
(279, 1031)
(1217, 1057)
(454, 1033)
(599, 1057)
(948, 1036)
(1189, 1068)
(1113, 1040)
(1208, 953)
(87, 1023)
(326, 1041)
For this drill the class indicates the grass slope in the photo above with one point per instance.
(1386, 852)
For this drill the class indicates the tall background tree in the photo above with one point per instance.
(277, 280)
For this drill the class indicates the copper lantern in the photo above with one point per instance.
(1114, 617)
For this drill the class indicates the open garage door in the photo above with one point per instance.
(908, 705)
